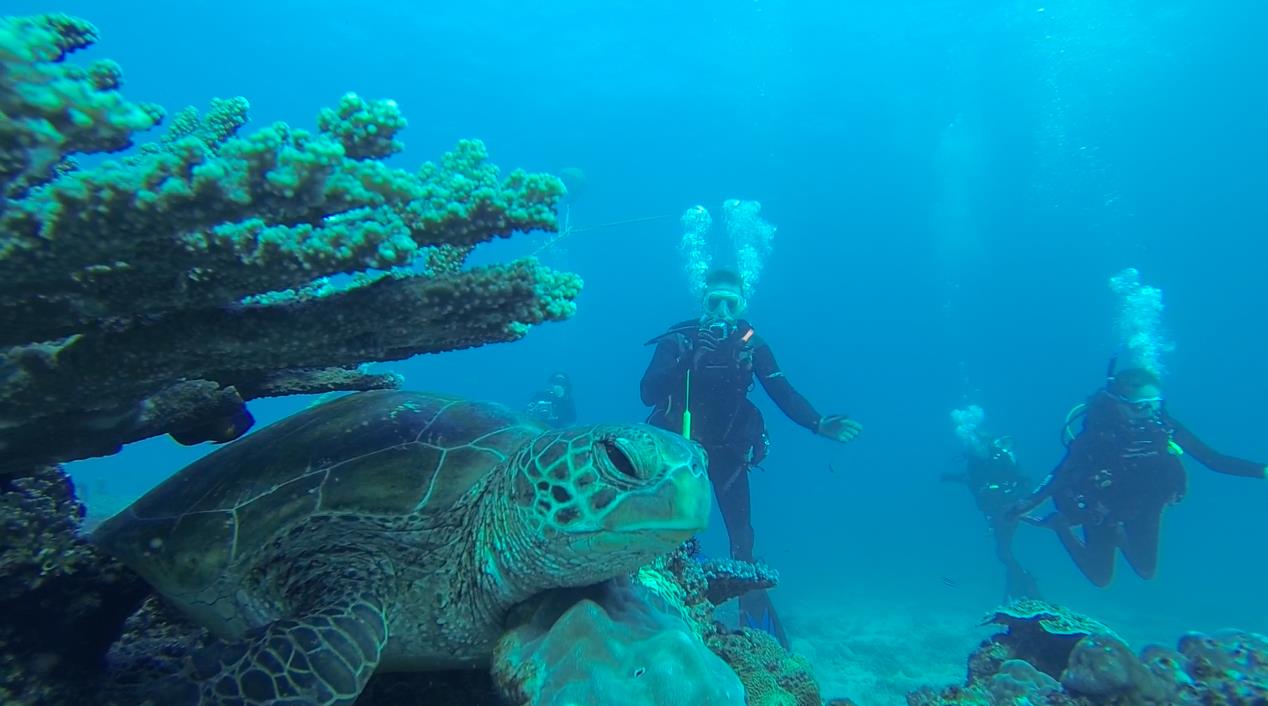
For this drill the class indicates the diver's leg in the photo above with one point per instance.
(1140, 548)
(1018, 583)
(1003, 531)
(729, 475)
(1095, 554)
(730, 484)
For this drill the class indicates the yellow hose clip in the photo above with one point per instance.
(686, 408)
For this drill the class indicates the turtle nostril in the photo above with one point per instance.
(618, 458)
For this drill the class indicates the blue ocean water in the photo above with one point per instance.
(953, 185)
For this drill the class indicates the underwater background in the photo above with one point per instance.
(953, 185)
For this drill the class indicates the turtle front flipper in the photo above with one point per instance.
(321, 659)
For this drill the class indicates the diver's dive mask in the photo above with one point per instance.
(724, 304)
(1002, 449)
(1143, 405)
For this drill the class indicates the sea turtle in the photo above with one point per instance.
(394, 530)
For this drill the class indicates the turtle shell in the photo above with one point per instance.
(383, 453)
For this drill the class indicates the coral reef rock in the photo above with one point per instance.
(771, 675)
(1051, 655)
(63, 602)
(616, 644)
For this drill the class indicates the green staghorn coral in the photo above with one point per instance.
(157, 292)
(49, 108)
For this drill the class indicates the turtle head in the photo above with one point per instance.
(604, 500)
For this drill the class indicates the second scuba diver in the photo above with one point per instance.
(553, 405)
(698, 382)
(1119, 474)
(994, 479)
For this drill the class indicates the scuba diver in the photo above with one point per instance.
(553, 405)
(1119, 474)
(993, 477)
(697, 384)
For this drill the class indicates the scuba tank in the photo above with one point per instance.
(1080, 409)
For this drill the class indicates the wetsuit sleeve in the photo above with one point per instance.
(663, 371)
(1212, 459)
(776, 384)
(1040, 493)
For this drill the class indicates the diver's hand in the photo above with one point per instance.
(1052, 521)
(1017, 511)
(1014, 511)
(839, 427)
(706, 347)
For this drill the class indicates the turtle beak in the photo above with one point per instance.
(677, 506)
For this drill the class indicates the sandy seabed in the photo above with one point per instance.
(875, 652)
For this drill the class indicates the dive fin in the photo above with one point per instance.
(758, 613)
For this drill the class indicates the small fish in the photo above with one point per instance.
(831, 468)
(949, 582)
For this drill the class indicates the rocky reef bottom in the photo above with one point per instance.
(63, 602)
(1049, 655)
(81, 629)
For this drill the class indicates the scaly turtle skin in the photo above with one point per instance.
(393, 530)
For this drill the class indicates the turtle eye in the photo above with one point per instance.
(618, 458)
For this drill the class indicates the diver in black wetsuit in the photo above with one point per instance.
(1119, 474)
(719, 354)
(553, 405)
(994, 479)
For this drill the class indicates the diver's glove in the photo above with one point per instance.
(838, 427)
(706, 352)
(1017, 511)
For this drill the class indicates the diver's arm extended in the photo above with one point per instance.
(1036, 496)
(1212, 459)
(776, 384)
(664, 370)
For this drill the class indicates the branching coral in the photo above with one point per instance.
(49, 108)
(153, 293)
(730, 578)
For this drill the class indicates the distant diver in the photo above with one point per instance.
(993, 477)
(553, 405)
(697, 384)
(1119, 474)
